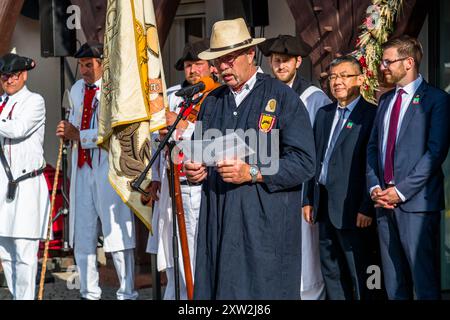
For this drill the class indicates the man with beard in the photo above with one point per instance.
(408, 144)
(285, 57)
(249, 238)
(160, 242)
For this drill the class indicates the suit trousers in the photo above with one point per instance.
(345, 255)
(409, 244)
(20, 261)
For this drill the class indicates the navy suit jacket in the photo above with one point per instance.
(421, 148)
(346, 177)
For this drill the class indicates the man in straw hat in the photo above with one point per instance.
(24, 198)
(249, 242)
(286, 55)
(94, 204)
(195, 69)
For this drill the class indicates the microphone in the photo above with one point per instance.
(205, 84)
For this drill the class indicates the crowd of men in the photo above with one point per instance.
(356, 184)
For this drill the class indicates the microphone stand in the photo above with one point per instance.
(64, 211)
(136, 185)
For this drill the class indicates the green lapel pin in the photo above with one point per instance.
(416, 100)
(349, 125)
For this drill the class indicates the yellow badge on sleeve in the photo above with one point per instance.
(271, 105)
(266, 122)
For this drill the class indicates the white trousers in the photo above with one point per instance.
(191, 196)
(312, 285)
(19, 260)
(97, 200)
(99, 207)
(89, 277)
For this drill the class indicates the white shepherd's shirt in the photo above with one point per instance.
(22, 127)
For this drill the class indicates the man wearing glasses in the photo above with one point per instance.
(249, 241)
(408, 145)
(24, 198)
(336, 196)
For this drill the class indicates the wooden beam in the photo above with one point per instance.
(93, 17)
(165, 11)
(9, 12)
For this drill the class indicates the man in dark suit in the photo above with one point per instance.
(408, 144)
(336, 195)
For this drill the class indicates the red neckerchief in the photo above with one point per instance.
(84, 155)
(4, 104)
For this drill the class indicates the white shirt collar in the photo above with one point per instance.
(15, 95)
(98, 83)
(249, 84)
(411, 87)
(351, 105)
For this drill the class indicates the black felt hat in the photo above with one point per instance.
(12, 62)
(191, 51)
(285, 44)
(91, 49)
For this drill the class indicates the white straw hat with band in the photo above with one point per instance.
(228, 36)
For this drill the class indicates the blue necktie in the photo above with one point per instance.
(334, 136)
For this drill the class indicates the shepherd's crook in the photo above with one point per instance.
(50, 221)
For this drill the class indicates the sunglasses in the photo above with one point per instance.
(14, 76)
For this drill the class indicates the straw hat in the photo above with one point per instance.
(228, 36)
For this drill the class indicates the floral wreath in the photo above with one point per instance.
(375, 30)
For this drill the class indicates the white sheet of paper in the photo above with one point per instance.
(209, 152)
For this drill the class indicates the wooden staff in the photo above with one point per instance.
(50, 221)
(183, 234)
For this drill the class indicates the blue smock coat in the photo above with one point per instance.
(249, 241)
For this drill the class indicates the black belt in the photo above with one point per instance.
(31, 174)
(12, 183)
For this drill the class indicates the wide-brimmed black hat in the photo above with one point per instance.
(191, 51)
(91, 49)
(12, 62)
(285, 44)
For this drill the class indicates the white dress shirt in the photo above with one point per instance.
(247, 87)
(407, 96)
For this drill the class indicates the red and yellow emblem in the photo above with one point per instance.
(266, 122)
